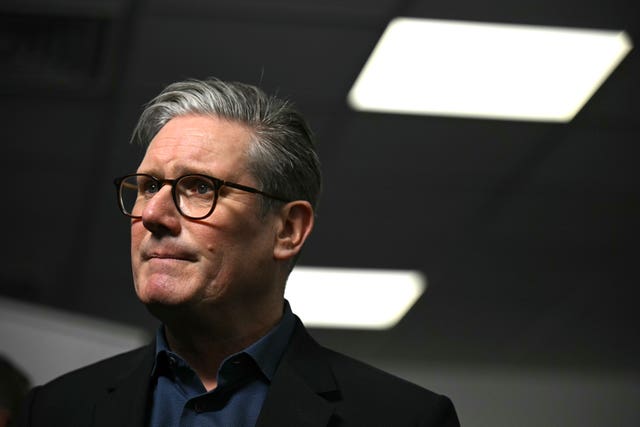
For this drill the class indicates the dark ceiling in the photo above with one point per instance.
(527, 232)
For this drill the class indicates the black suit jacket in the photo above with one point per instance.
(312, 387)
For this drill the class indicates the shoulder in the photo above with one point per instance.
(103, 372)
(363, 394)
(367, 389)
(70, 398)
(350, 372)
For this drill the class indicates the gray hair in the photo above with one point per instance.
(282, 158)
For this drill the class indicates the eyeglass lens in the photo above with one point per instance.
(195, 195)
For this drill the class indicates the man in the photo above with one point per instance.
(220, 208)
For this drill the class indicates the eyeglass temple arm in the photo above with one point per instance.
(253, 190)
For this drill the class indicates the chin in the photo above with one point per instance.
(162, 293)
(161, 289)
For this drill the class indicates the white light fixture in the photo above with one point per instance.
(353, 298)
(483, 70)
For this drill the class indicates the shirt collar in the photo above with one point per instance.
(266, 352)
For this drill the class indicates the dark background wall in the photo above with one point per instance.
(526, 231)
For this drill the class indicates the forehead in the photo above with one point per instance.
(203, 144)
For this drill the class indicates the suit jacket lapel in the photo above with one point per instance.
(300, 387)
(125, 400)
(300, 394)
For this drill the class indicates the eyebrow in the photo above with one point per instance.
(179, 171)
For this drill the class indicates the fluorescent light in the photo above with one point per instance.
(483, 70)
(353, 298)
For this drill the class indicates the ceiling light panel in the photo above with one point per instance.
(483, 70)
(353, 298)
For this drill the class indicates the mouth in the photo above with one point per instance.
(167, 258)
(169, 255)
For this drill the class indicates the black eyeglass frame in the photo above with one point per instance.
(217, 185)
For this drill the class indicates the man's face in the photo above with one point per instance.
(224, 258)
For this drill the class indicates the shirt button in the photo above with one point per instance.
(198, 407)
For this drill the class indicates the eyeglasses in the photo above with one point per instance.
(194, 195)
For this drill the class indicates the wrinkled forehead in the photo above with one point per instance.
(198, 144)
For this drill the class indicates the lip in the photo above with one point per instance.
(167, 258)
(168, 254)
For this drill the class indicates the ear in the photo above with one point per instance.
(295, 225)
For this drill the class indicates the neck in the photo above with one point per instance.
(205, 342)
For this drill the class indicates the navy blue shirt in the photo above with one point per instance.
(180, 399)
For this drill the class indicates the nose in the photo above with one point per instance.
(160, 216)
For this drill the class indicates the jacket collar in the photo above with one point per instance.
(303, 388)
(302, 392)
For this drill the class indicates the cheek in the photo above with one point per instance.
(137, 235)
(213, 248)
(135, 242)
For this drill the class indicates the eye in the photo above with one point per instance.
(147, 185)
(203, 187)
(196, 186)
